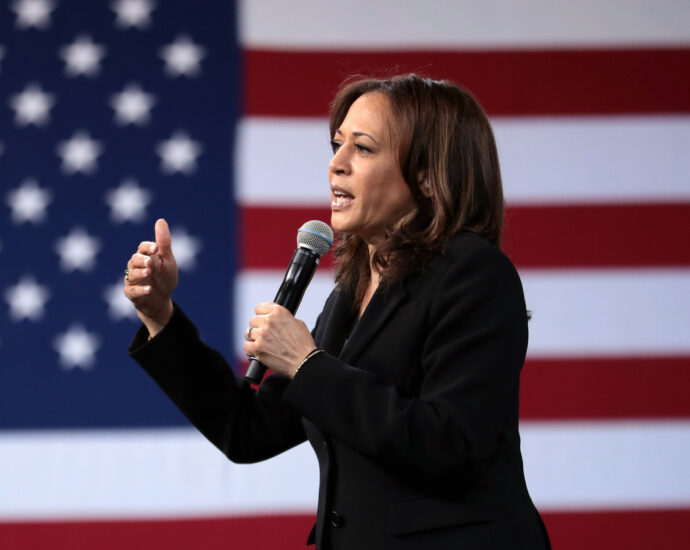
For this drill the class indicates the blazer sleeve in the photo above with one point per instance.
(245, 424)
(467, 401)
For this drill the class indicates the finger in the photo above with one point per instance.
(257, 321)
(147, 247)
(251, 333)
(139, 261)
(137, 276)
(142, 260)
(137, 291)
(154, 263)
(265, 307)
(163, 239)
(249, 348)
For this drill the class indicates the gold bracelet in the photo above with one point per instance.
(311, 354)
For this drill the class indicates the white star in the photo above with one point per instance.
(185, 248)
(119, 307)
(33, 13)
(79, 153)
(28, 202)
(82, 56)
(32, 106)
(133, 13)
(77, 250)
(26, 299)
(77, 347)
(128, 202)
(132, 105)
(179, 154)
(182, 57)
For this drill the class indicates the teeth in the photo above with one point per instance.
(341, 200)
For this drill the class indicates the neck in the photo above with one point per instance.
(374, 275)
(373, 283)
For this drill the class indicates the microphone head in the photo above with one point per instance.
(315, 235)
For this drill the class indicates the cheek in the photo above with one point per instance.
(400, 199)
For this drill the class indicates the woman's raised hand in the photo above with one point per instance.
(150, 279)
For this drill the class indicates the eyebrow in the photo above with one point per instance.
(358, 134)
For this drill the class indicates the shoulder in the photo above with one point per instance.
(473, 270)
(473, 253)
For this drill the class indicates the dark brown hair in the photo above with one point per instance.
(444, 139)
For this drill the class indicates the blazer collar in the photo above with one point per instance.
(380, 308)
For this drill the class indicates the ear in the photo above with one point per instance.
(424, 186)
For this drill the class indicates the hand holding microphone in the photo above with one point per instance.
(274, 335)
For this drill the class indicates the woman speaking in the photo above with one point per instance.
(407, 387)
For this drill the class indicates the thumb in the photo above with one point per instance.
(163, 239)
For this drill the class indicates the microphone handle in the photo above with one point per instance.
(297, 277)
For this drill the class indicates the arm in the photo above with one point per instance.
(470, 360)
(245, 424)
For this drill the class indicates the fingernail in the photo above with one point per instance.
(147, 261)
(147, 290)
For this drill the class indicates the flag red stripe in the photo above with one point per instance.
(615, 235)
(284, 532)
(605, 388)
(511, 82)
(628, 530)
(598, 235)
(622, 530)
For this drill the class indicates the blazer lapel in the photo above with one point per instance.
(380, 308)
(335, 323)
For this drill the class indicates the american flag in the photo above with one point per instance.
(212, 115)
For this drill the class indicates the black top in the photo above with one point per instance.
(414, 419)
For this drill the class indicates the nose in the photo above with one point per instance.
(340, 162)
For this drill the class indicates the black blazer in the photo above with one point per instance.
(414, 417)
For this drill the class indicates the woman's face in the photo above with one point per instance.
(368, 192)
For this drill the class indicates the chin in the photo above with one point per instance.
(337, 222)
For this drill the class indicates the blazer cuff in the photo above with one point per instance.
(308, 390)
(179, 328)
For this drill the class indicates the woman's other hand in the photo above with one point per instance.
(151, 278)
(277, 339)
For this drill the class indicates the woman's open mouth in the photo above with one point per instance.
(340, 199)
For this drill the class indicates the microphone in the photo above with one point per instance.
(314, 239)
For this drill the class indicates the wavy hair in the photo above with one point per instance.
(445, 140)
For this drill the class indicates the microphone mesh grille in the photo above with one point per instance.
(315, 235)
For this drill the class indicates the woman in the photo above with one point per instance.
(407, 388)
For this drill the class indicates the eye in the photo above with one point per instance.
(362, 148)
(335, 146)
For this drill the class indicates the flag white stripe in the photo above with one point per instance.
(284, 161)
(599, 465)
(616, 312)
(149, 473)
(456, 24)
(576, 313)
(177, 473)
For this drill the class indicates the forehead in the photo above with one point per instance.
(370, 112)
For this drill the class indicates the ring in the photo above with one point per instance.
(249, 335)
(127, 275)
